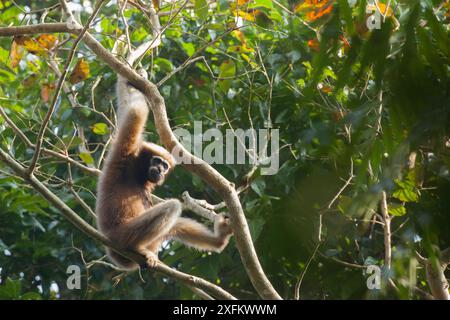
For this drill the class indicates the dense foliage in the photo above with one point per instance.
(359, 111)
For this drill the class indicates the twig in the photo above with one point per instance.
(300, 280)
(387, 231)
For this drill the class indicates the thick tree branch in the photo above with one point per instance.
(78, 222)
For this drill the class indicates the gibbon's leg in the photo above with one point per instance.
(197, 235)
(132, 117)
(149, 228)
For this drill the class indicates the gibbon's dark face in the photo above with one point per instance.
(157, 170)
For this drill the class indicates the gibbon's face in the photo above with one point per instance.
(157, 170)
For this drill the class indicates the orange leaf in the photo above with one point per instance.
(47, 41)
(16, 53)
(313, 44)
(46, 91)
(345, 42)
(326, 89)
(80, 72)
(314, 9)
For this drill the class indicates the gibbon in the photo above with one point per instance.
(132, 169)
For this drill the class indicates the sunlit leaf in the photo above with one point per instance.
(381, 8)
(396, 209)
(86, 157)
(33, 46)
(100, 128)
(47, 41)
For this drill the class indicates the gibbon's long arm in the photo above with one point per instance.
(132, 117)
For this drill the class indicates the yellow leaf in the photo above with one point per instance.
(33, 46)
(239, 35)
(383, 8)
(80, 72)
(247, 15)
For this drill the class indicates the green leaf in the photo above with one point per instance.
(188, 48)
(86, 157)
(256, 226)
(227, 70)
(100, 128)
(344, 203)
(10, 290)
(261, 4)
(397, 209)
(31, 296)
(258, 186)
(164, 65)
(201, 9)
(406, 191)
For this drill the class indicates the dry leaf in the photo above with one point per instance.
(80, 72)
(47, 41)
(30, 80)
(313, 44)
(46, 90)
(16, 54)
(21, 39)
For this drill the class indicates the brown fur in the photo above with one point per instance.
(125, 212)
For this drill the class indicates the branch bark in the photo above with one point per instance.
(435, 271)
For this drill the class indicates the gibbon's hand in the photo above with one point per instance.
(222, 225)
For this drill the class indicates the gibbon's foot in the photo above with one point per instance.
(152, 260)
(222, 225)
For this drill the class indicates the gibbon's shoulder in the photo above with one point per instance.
(159, 151)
